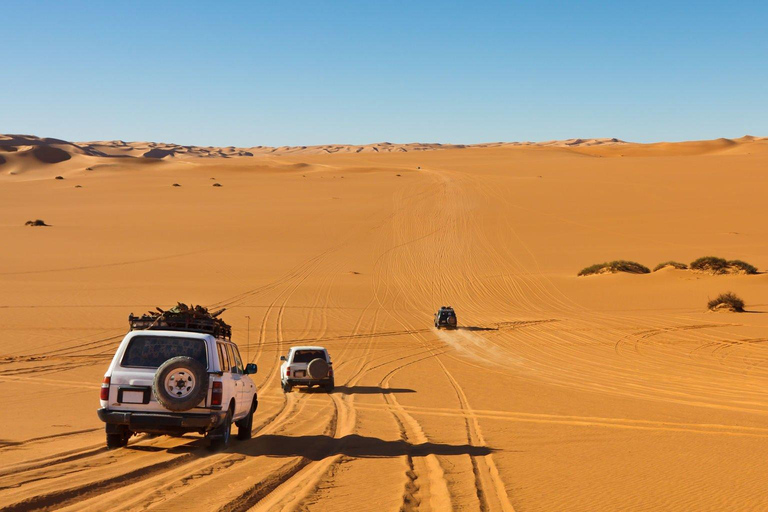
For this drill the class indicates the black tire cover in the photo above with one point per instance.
(317, 368)
(183, 399)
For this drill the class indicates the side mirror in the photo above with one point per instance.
(251, 368)
(282, 358)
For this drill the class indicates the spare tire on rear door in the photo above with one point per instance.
(317, 368)
(180, 383)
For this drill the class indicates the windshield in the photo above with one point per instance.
(305, 356)
(152, 351)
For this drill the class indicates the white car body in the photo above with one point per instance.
(131, 402)
(294, 373)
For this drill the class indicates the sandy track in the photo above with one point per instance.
(604, 393)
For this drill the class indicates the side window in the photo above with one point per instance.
(237, 358)
(223, 358)
(232, 360)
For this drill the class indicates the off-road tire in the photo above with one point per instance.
(318, 368)
(186, 398)
(118, 439)
(245, 425)
(287, 387)
(328, 386)
(221, 434)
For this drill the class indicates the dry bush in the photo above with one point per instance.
(729, 301)
(674, 264)
(715, 265)
(631, 267)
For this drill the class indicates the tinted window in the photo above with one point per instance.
(152, 351)
(233, 361)
(223, 358)
(305, 356)
(237, 358)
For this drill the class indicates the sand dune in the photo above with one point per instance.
(613, 392)
(20, 153)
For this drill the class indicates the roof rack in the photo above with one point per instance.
(182, 318)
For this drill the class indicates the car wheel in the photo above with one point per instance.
(220, 436)
(245, 425)
(287, 387)
(329, 386)
(118, 439)
(180, 384)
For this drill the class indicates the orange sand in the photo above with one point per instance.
(601, 393)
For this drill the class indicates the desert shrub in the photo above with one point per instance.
(717, 265)
(710, 264)
(674, 264)
(631, 267)
(217, 184)
(38, 222)
(728, 301)
(743, 265)
(59, 177)
(176, 185)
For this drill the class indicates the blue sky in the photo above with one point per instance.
(314, 72)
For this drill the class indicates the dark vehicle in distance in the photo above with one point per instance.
(445, 318)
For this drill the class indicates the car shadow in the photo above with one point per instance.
(357, 390)
(476, 328)
(317, 447)
(369, 390)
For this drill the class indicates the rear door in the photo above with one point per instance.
(247, 385)
(237, 379)
(134, 373)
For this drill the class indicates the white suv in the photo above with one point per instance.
(173, 382)
(306, 366)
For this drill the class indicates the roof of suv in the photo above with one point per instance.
(308, 347)
(175, 334)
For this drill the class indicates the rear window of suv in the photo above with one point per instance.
(305, 356)
(152, 351)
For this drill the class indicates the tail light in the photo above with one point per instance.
(288, 371)
(216, 393)
(104, 395)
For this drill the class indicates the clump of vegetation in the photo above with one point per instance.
(715, 265)
(38, 222)
(176, 185)
(59, 177)
(743, 266)
(217, 184)
(78, 186)
(611, 267)
(726, 301)
(673, 264)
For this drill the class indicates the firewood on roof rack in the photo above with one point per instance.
(182, 317)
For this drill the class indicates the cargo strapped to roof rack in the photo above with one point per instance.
(183, 318)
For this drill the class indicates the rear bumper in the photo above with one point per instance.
(161, 422)
(309, 382)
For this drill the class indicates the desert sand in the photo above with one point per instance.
(598, 393)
